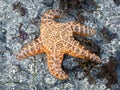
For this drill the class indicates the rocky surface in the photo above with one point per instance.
(32, 73)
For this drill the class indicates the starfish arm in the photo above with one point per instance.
(51, 14)
(80, 29)
(54, 62)
(30, 49)
(77, 50)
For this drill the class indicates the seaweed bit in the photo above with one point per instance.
(81, 6)
(18, 6)
(22, 34)
(107, 35)
(87, 5)
(108, 71)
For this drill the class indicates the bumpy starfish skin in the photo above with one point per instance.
(56, 39)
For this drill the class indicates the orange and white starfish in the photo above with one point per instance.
(56, 39)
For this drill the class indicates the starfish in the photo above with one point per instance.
(56, 39)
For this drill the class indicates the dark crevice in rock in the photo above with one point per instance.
(117, 2)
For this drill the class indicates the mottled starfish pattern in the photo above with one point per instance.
(56, 39)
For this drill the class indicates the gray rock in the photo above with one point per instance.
(32, 73)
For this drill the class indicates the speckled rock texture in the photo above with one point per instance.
(19, 24)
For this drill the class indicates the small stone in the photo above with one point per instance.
(50, 80)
